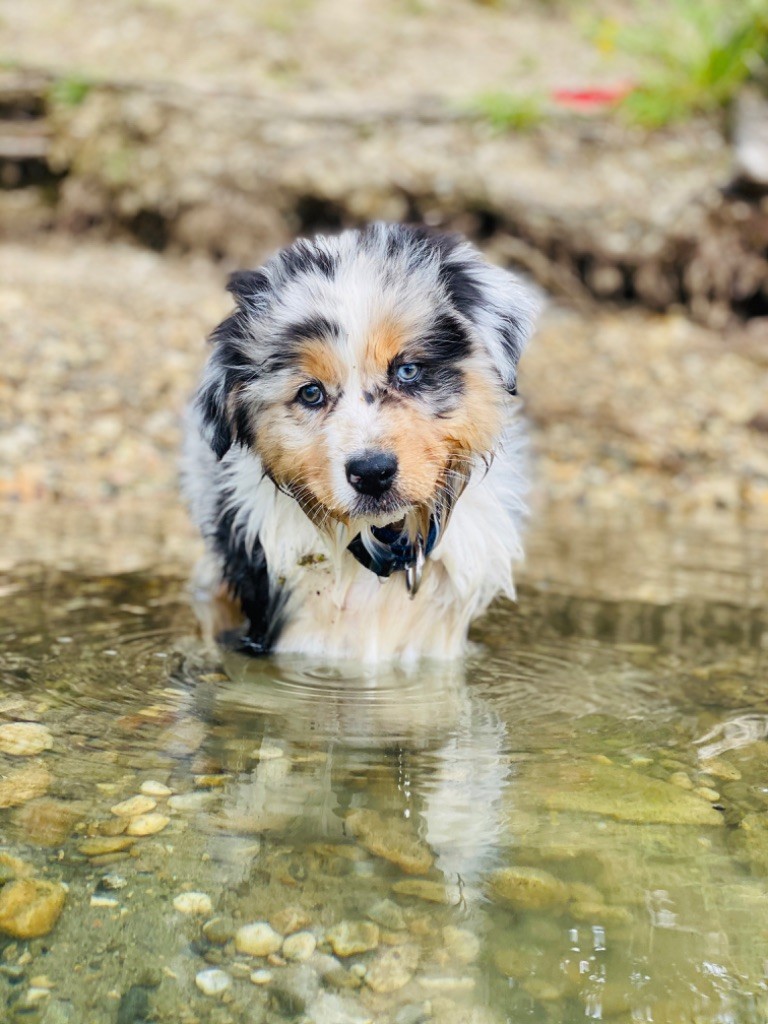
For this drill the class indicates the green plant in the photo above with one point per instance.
(507, 111)
(699, 53)
(70, 91)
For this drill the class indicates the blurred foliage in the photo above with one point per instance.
(70, 91)
(698, 52)
(507, 111)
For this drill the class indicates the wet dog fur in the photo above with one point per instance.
(363, 380)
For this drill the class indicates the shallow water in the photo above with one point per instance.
(573, 825)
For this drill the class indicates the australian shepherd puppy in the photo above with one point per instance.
(351, 457)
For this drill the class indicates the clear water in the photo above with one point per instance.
(573, 826)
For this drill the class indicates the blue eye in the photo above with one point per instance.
(311, 395)
(408, 373)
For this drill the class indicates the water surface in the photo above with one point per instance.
(571, 826)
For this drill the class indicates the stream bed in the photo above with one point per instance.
(573, 825)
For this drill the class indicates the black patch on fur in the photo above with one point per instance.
(246, 574)
(312, 327)
(248, 286)
(447, 341)
(302, 257)
(226, 421)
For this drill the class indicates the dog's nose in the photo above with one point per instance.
(372, 473)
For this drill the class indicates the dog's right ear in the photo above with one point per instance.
(230, 364)
(250, 289)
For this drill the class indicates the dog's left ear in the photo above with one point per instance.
(502, 307)
(505, 318)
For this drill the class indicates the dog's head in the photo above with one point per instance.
(369, 372)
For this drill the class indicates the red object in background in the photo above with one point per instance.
(592, 98)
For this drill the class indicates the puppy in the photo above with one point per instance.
(351, 457)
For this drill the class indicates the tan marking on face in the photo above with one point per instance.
(299, 460)
(321, 361)
(384, 343)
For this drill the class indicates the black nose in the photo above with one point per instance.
(372, 473)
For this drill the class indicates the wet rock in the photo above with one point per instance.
(523, 888)
(721, 769)
(350, 937)
(135, 806)
(12, 867)
(262, 976)
(290, 919)
(300, 946)
(219, 930)
(46, 822)
(24, 784)
(133, 1005)
(431, 891)
(213, 981)
(392, 969)
(461, 944)
(446, 983)
(257, 939)
(22, 739)
(391, 838)
(513, 962)
(599, 913)
(147, 824)
(619, 793)
(332, 972)
(155, 789)
(707, 793)
(30, 907)
(193, 903)
(295, 988)
(111, 883)
(182, 738)
(98, 846)
(387, 914)
(191, 802)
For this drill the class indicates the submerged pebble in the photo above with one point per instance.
(135, 806)
(523, 888)
(213, 981)
(156, 789)
(299, 946)
(391, 838)
(193, 903)
(392, 969)
(262, 976)
(22, 739)
(257, 939)
(147, 824)
(30, 907)
(350, 937)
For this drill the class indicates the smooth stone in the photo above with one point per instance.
(156, 789)
(47, 822)
(392, 839)
(350, 937)
(147, 824)
(392, 969)
(98, 846)
(461, 944)
(30, 907)
(299, 946)
(197, 903)
(267, 752)
(257, 939)
(295, 988)
(186, 802)
(429, 890)
(721, 769)
(133, 807)
(707, 793)
(133, 1005)
(24, 784)
(23, 739)
(262, 977)
(182, 738)
(104, 901)
(290, 919)
(619, 793)
(681, 779)
(219, 930)
(387, 914)
(599, 913)
(213, 981)
(524, 888)
(112, 882)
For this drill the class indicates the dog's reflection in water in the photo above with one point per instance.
(421, 750)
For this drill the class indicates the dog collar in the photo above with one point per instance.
(385, 549)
